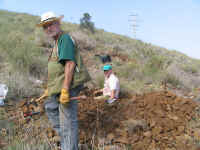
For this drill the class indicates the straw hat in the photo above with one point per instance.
(49, 17)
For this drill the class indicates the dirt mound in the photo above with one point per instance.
(156, 120)
(153, 121)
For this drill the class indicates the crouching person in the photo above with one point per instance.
(111, 86)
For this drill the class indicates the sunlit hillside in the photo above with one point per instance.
(140, 66)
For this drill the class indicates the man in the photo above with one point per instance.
(66, 75)
(111, 85)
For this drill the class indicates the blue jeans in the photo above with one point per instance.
(64, 119)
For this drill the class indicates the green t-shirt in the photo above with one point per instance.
(66, 49)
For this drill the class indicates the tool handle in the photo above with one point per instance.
(71, 98)
(78, 97)
(39, 99)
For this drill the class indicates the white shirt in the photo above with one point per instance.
(111, 83)
(3, 91)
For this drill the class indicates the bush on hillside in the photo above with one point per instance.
(85, 22)
(19, 85)
(155, 63)
(41, 39)
(127, 71)
(24, 55)
(190, 68)
(171, 79)
(83, 40)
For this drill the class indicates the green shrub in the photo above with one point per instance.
(85, 22)
(156, 62)
(83, 40)
(41, 39)
(117, 49)
(19, 85)
(154, 65)
(127, 70)
(190, 68)
(171, 79)
(24, 55)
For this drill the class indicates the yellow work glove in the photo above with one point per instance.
(64, 96)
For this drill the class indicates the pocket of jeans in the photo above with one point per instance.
(51, 104)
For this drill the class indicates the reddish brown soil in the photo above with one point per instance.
(152, 121)
(149, 121)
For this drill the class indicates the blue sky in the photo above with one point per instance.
(173, 24)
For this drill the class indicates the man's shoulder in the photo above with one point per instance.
(65, 36)
(113, 77)
(65, 39)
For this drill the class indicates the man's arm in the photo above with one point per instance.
(112, 96)
(69, 71)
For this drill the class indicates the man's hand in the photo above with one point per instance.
(64, 96)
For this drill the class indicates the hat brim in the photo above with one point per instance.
(42, 23)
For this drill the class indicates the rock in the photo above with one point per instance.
(173, 117)
(147, 134)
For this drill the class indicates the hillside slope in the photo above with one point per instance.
(140, 119)
(140, 66)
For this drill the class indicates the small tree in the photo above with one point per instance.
(85, 22)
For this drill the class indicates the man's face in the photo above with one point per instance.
(52, 29)
(107, 73)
